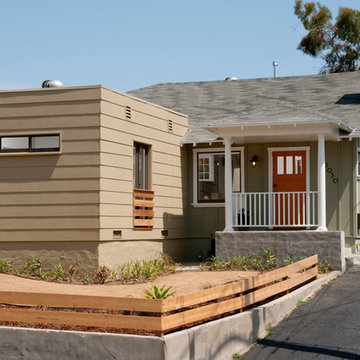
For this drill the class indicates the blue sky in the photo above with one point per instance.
(128, 44)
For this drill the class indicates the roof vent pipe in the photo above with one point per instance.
(275, 64)
(230, 78)
(51, 83)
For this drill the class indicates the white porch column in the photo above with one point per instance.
(321, 184)
(228, 186)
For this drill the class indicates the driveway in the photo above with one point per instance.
(325, 327)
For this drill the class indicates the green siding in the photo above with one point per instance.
(341, 197)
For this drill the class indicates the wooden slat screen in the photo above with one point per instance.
(154, 315)
(143, 212)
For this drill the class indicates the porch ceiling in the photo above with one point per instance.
(284, 132)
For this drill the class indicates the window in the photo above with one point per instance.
(30, 143)
(141, 166)
(209, 179)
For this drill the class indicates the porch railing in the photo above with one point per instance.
(275, 209)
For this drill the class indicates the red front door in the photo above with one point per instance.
(289, 175)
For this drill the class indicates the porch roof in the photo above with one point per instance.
(332, 99)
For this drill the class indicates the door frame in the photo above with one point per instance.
(288, 148)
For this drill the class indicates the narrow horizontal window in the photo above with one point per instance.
(30, 143)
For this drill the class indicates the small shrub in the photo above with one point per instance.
(156, 293)
(289, 260)
(71, 270)
(324, 266)
(270, 260)
(86, 279)
(33, 267)
(58, 272)
(5, 266)
(269, 331)
(101, 274)
(236, 356)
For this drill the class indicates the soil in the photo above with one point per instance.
(182, 282)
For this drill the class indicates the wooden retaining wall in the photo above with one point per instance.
(154, 315)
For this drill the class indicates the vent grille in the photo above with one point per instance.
(170, 126)
(128, 112)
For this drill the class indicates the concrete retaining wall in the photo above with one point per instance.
(329, 245)
(36, 344)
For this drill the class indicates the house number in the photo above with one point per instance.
(329, 170)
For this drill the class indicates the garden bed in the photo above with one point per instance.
(200, 296)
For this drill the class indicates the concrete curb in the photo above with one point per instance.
(220, 339)
(215, 340)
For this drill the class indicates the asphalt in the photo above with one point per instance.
(325, 327)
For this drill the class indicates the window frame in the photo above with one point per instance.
(147, 174)
(221, 150)
(30, 150)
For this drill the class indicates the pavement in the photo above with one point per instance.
(325, 327)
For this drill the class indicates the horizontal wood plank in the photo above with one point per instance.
(79, 301)
(143, 203)
(144, 212)
(143, 222)
(187, 317)
(80, 319)
(149, 194)
(202, 296)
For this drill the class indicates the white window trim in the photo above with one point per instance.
(357, 163)
(195, 180)
(295, 148)
(211, 167)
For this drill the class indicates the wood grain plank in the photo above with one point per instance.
(143, 222)
(81, 319)
(144, 212)
(202, 296)
(187, 317)
(143, 203)
(79, 301)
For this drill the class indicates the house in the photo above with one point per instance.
(70, 159)
(269, 154)
(91, 176)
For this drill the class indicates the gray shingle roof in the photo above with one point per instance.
(301, 99)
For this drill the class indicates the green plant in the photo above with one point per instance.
(33, 267)
(269, 331)
(236, 356)
(270, 260)
(101, 274)
(4, 266)
(301, 303)
(156, 293)
(324, 266)
(289, 260)
(58, 272)
(86, 279)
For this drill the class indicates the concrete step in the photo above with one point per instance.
(352, 261)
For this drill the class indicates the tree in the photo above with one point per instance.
(338, 43)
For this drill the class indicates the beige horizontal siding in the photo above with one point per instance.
(50, 172)
(58, 161)
(50, 223)
(60, 185)
(47, 210)
(55, 235)
(28, 123)
(38, 96)
(46, 109)
(140, 105)
(75, 197)
(116, 185)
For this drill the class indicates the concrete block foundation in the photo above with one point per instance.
(329, 245)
